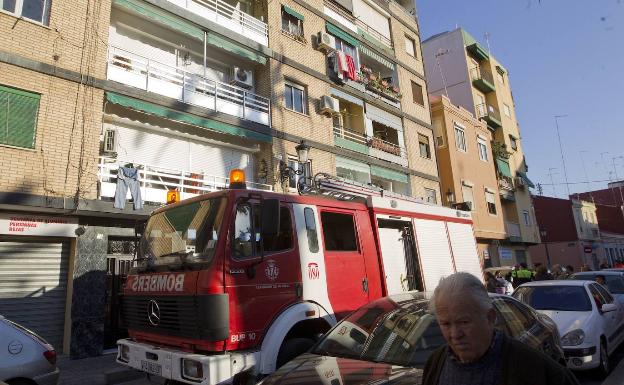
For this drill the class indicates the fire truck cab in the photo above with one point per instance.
(231, 285)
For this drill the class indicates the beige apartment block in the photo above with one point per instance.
(468, 172)
(468, 74)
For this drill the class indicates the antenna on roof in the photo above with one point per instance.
(487, 41)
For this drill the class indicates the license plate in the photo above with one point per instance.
(151, 367)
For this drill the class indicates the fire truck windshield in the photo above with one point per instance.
(184, 235)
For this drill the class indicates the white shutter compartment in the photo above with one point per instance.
(465, 249)
(434, 251)
(393, 256)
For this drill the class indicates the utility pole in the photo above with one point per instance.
(565, 172)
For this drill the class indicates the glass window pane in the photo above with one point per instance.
(8, 5)
(298, 96)
(339, 232)
(33, 9)
(288, 96)
(284, 239)
(243, 232)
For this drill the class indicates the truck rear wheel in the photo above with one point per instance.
(292, 348)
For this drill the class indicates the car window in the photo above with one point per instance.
(604, 292)
(598, 298)
(615, 283)
(517, 322)
(562, 298)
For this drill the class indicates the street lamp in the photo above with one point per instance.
(450, 197)
(286, 172)
(543, 234)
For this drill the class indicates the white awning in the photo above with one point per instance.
(351, 164)
(346, 96)
(384, 117)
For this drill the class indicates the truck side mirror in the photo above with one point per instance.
(270, 217)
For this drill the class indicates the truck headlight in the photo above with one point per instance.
(573, 338)
(124, 353)
(193, 370)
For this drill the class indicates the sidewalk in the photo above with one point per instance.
(102, 370)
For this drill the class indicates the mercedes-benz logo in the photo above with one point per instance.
(153, 313)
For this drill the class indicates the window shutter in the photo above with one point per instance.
(18, 114)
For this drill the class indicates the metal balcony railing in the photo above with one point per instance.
(155, 181)
(228, 16)
(370, 141)
(373, 32)
(489, 113)
(482, 79)
(150, 75)
(505, 183)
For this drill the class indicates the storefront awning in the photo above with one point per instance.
(389, 174)
(524, 176)
(292, 12)
(182, 117)
(339, 33)
(503, 167)
(375, 56)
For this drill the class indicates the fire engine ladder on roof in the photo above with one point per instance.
(347, 190)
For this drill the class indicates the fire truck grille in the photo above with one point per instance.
(197, 317)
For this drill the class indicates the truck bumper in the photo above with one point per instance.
(169, 363)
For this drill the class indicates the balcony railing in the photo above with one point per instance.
(354, 136)
(156, 181)
(373, 32)
(229, 17)
(490, 114)
(377, 147)
(150, 75)
(482, 79)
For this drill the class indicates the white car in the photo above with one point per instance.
(590, 320)
(25, 358)
(614, 281)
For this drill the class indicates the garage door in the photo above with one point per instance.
(33, 286)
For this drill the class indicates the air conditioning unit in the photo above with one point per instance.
(242, 78)
(326, 42)
(110, 141)
(329, 105)
(519, 181)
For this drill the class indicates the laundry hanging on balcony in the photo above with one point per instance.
(128, 179)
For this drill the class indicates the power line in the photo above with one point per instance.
(569, 183)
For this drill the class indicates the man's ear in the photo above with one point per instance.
(491, 316)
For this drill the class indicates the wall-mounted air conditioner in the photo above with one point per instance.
(329, 105)
(110, 141)
(241, 78)
(326, 42)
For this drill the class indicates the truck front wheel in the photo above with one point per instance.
(292, 348)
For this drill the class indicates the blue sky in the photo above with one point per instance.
(565, 57)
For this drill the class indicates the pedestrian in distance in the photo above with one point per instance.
(569, 270)
(557, 272)
(542, 274)
(586, 267)
(601, 279)
(490, 282)
(477, 353)
(521, 275)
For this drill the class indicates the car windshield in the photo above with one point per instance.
(561, 298)
(384, 331)
(183, 234)
(615, 283)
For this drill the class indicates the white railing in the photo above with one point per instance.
(155, 181)
(150, 75)
(228, 16)
(373, 32)
(340, 132)
(513, 229)
(379, 148)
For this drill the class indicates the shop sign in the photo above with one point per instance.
(506, 254)
(37, 225)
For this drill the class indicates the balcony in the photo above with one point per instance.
(482, 79)
(373, 146)
(489, 114)
(513, 231)
(156, 181)
(506, 189)
(370, 31)
(478, 52)
(228, 16)
(149, 75)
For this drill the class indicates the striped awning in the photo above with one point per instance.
(375, 56)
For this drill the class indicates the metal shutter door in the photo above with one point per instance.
(152, 148)
(434, 251)
(219, 161)
(33, 286)
(465, 249)
(393, 257)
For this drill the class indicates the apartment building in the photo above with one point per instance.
(468, 172)
(462, 69)
(172, 95)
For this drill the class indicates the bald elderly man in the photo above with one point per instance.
(476, 353)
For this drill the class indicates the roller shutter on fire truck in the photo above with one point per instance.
(435, 254)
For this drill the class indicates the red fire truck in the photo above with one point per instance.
(231, 285)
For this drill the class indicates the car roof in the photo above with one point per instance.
(598, 272)
(557, 282)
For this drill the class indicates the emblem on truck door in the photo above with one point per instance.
(271, 271)
(313, 271)
(153, 313)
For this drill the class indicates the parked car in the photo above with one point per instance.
(390, 339)
(614, 281)
(588, 317)
(25, 357)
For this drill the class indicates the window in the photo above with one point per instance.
(310, 222)
(431, 196)
(247, 237)
(425, 150)
(18, 117)
(483, 150)
(527, 218)
(507, 110)
(468, 197)
(417, 94)
(491, 202)
(291, 23)
(501, 77)
(348, 50)
(460, 138)
(295, 97)
(514, 142)
(339, 232)
(35, 10)
(410, 46)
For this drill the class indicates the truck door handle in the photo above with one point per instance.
(365, 285)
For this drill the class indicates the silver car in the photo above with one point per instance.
(25, 357)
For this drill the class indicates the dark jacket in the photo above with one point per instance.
(522, 365)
